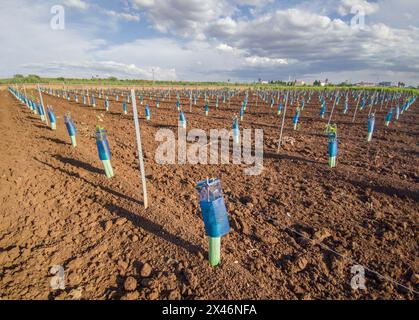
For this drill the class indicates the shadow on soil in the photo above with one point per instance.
(55, 140)
(387, 189)
(271, 155)
(154, 228)
(77, 163)
(104, 188)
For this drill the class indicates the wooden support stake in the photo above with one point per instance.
(283, 121)
(42, 105)
(139, 147)
(357, 104)
(333, 108)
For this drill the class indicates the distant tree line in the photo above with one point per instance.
(283, 83)
(31, 78)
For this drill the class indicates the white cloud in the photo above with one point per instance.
(396, 13)
(227, 25)
(264, 61)
(225, 48)
(316, 43)
(144, 3)
(217, 41)
(354, 6)
(104, 69)
(34, 40)
(255, 3)
(193, 60)
(251, 61)
(184, 17)
(78, 4)
(122, 15)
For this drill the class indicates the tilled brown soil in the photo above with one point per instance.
(297, 229)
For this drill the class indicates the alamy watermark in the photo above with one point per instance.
(193, 147)
(57, 282)
(358, 20)
(358, 278)
(57, 21)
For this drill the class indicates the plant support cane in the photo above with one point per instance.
(71, 129)
(214, 214)
(283, 122)
(139, 147)
(41, 100)
(104, 150)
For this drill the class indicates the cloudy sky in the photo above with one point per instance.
(213, 39)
